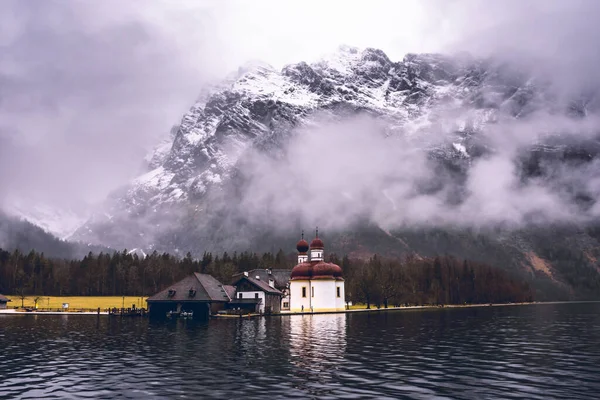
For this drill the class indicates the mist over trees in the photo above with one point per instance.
(17, 233)
(376, 282)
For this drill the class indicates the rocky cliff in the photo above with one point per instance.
(465, 156)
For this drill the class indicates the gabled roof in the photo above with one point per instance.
(4, 299)
(280, 276)
(206, 287)
(230, 290)
(260, 285)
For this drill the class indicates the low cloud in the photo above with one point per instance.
(87, 88)
(341, 173)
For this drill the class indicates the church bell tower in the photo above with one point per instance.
(302, 247)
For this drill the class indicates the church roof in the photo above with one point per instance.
(317, 270)
(302, 246)
(317, 244)
(4, 299)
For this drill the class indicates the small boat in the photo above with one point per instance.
(180, 314)
(186, 314)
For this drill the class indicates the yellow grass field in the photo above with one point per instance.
(79, 302)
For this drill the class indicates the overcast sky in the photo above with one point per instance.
(88, 87)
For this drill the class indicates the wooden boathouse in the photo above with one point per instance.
(200, 294)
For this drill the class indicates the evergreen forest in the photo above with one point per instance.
(377, 281)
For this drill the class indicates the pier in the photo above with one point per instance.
(127, 312)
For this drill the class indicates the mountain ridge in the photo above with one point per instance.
(211, 189)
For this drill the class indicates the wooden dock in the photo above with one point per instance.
(127, 312)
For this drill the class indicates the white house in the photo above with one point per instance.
(254, 294)
(278, 278)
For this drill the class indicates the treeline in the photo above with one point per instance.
(377, 281)
(119, 273)
(439, 280)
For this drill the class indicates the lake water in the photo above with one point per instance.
(549, 351)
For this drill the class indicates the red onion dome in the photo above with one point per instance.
(302, 246)
(317, 244)
(316, 270)
(302, 271)
(324, 270)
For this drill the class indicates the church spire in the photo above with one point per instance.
(316, 247)
(302, 247)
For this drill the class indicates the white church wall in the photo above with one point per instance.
(340, 301)
(296, 299)
(316, 255)
(321, 295)
(324, 295)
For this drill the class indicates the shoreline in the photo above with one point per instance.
(408, 308)
(12, 311)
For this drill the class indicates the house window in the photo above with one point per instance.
(256, 295)
(286, 304)
(241, 295)
(312, 290)
(339, 291)
(303, 291)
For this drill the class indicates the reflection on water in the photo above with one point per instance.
(533, 352)
(317, 349)
(317, 342)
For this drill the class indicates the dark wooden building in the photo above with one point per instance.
(3, 301)
(253, 294)
(199, 293)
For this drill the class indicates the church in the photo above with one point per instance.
(315, 285)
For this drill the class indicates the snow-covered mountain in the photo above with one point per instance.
(189, 198)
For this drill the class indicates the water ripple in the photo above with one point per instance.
(533, 352)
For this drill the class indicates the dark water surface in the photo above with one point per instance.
(534, 352)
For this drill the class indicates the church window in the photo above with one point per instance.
(286, 304)
(339, 294)
(256, 295)
(303, 291)
(241, 295)
(313, 291)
